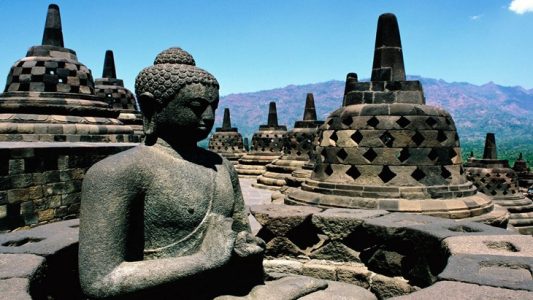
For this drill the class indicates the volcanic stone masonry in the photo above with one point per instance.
(525, 176)
(117, 96)
(49, 98)
(227, 141)
(297, 150)
(494, 178)
(267, 144)
(386, 149)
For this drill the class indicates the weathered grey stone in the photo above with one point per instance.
(45, 240)
(499, 271)
(450, 290)
(290, 287)
(21, 265)
(505, 245)
(338, 223)
(340, 291)
(280, 219)
(15, 289)
(387, 287)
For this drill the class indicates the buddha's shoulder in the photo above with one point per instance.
(133, 159)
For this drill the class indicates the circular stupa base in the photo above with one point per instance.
(453, 202)
(277, 172)
(254, 164)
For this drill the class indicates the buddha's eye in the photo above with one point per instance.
(198, 106)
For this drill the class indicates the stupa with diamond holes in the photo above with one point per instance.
(117, 96)
(267, 144)
(49, 96)
(494, 178)
(298, 176)
(386, 149)
(297, 149)
(525, 176)
(227, 141)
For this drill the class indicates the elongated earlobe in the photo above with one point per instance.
(149, 106)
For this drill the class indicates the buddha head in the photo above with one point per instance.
(178, 99)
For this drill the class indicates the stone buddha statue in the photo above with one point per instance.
(167, 216)
(166, 219)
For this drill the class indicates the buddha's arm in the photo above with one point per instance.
(110, 251)
(239, 211)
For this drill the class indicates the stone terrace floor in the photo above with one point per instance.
(254, 196)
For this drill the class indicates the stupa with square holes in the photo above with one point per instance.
(227, 141)
(267, 145)
(496, 179)
(117, 96)
(297, 151)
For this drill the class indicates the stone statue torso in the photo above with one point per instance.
(178, 197)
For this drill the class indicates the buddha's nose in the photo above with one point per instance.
(208, 115)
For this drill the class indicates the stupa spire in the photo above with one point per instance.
(272, 115)
(490, 147)
(388, 57)
(226, 122)
(109, 66)
(53, 35)
(309, 111)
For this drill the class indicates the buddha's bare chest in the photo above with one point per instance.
(180, 196)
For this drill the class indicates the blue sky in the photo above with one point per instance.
(252, 45)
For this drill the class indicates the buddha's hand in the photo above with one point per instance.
(247, 245)
(218, 242)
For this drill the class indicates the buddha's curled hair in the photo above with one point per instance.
(173, 69)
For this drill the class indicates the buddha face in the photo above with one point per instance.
(190, 114)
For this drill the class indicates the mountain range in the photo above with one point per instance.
(476, 109)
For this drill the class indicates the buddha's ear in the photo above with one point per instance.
(147, 104)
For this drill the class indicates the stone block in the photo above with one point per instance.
(46, 215)
(504, 245)
(338, 223)
(45, 240)
(354, 274)
(21, 180)
(511, 272)
(17, 195)
(16, 166)
(387, 287)
(335, 251)
(450, 290)
(280, 219)
(15, 289)
(321, 271)
(21, 266)
(284, 266)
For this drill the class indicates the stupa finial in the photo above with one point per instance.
(53, 35)
(310, 111)
(226, 122)
(490, 147)
(109, 66)
(388, 57)
(272, 115)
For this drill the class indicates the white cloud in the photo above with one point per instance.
(521, 6)
(475, 18)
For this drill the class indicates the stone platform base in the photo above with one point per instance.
(254, 164)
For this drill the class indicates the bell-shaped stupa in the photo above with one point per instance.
(49, 97)
(227, 141)
(267, 145)
(386, 149)
(297, 150)
(494, 178)
(117, 96)
(525, 176)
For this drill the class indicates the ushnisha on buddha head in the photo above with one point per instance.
(178, 99)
